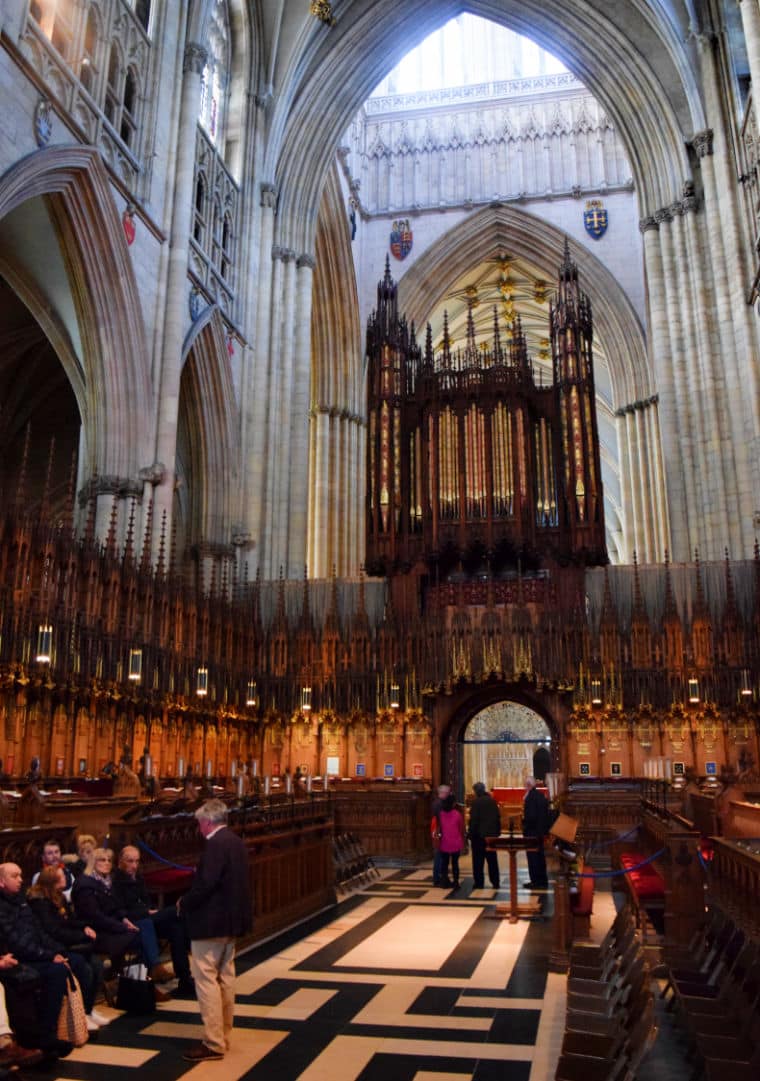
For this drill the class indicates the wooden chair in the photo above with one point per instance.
(616, 1060)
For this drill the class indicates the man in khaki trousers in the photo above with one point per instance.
(218, 909)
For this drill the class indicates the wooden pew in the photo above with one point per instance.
(677, 846)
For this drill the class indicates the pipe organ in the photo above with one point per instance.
(472, 460)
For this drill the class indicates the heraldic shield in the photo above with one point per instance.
(595, 218)
(401, 238)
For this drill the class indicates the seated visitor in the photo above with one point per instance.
(51, 857)
(12, 1054)
(28, 942)
(98, 905)
(86, 845)
(132, 893)
(55, 913)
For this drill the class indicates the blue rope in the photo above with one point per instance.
(703, 861)
(624, 871)
(621, 837)
(155, 855)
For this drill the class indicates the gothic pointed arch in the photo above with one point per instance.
(548, 708)
(500, 228)
(207, 447)
(337, 72)
(114, 396)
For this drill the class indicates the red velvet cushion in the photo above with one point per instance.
(169, 877)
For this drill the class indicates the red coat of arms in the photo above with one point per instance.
(401, 238)
(128, 221)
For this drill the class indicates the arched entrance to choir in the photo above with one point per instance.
(500, 731)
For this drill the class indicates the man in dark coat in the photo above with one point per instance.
(485, 821)
(218, 909)
(536, 824)
(132, 894)
(21, 934)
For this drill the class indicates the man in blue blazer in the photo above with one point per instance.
(218, 909)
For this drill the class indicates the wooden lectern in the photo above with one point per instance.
(513, 844)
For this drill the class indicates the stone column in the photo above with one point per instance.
(662, 520)
(735, 261)
(356, 506)
(660, 351)
(177, 291)
(711, 387)
(270, 557)
(644, 451)
(741, 387)
(299, 417)
(320, 492)
(636, 495)
(334, 492)
(628, 522)
(280, 449)
(257, 385)
(695, 387)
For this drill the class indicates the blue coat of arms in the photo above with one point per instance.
(595, 218)
(401, 238)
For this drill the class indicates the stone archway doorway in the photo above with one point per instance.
(502, 744)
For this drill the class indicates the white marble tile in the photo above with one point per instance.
(498, 960)
(429, 1075)
(551, 1028)
(343, 1059)
(104, 1054)
(499, 1002)
(396, 1045)
(418, 938)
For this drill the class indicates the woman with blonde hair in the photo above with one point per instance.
(86, 845)
(97, 904)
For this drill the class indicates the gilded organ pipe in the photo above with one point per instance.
(467, 451)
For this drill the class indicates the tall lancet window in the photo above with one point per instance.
(216, 76)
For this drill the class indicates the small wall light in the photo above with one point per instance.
(135, 665)
(44, 643)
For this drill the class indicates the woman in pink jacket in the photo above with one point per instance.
(452, 841)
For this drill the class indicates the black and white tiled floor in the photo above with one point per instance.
(401, 982)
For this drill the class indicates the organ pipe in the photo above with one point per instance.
(469, 458)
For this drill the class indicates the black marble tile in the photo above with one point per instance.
(435, 1000)
(501, 1070)
(407, 1032)
(528, 978)
(514, 1026)
(405, 1067)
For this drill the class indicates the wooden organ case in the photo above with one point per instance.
(473, 464)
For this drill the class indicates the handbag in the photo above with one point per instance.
(135, 992)
(72, 1022)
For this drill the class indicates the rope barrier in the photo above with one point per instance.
(161, 859)
(605, 844)
(703, 862)
(624, 871)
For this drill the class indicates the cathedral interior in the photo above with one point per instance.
(380, 400)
